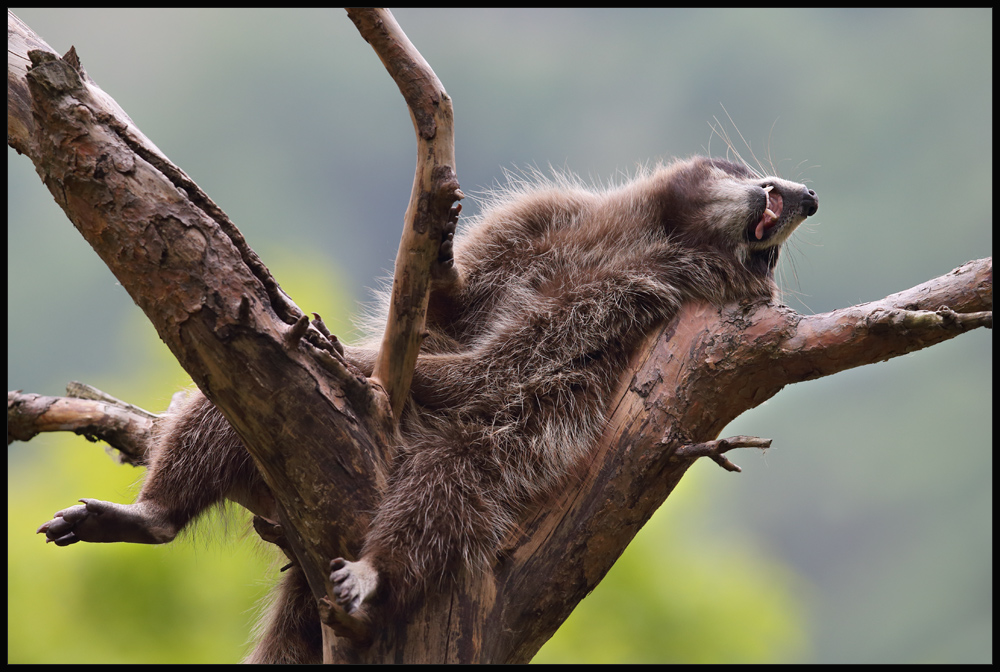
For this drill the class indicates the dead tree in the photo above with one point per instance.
(322, 442)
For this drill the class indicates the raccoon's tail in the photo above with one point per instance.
(290, 632)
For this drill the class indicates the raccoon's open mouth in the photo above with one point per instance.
(772, 212)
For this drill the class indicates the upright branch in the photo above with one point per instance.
(430, 219)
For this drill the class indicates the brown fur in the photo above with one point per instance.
(556, 285)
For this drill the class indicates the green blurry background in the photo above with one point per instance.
(864, 535)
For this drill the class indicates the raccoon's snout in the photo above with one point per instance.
(810, 203)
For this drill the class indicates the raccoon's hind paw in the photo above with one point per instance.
(353, 582)
(61, 530)
(101, 522)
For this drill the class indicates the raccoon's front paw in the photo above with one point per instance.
(353, 582)
(446, 253)
(443, 271)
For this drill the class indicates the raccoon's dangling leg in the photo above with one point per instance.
(197, 460)
(96, 521)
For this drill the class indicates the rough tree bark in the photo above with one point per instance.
(319, 431)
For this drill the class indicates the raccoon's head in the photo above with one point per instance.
(725, 203)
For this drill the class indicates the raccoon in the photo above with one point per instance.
(555, 286)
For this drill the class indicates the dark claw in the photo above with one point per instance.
(60, 530)
(446, 251)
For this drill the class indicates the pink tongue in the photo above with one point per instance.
(767, 220)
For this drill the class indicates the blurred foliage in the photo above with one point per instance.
(189, 602)
(678, 596)
(194, 600)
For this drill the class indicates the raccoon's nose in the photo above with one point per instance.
(810, 203)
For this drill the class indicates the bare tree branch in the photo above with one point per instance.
(429, 217)
(86, 411)
(900, 323)
(715, 449)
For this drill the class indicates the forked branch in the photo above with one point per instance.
(208, 295)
